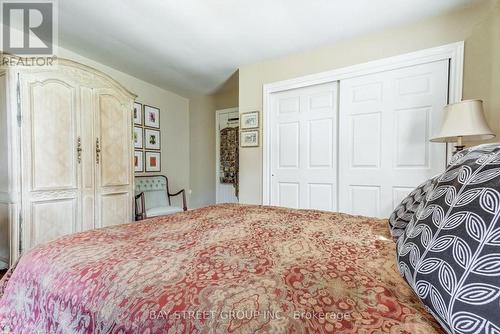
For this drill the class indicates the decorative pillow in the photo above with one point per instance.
(450, 250)
(403, 213)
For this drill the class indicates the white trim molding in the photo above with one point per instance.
(453, 52)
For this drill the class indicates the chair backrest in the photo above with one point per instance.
(155, 190)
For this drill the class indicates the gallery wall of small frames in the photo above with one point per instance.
(147, 138)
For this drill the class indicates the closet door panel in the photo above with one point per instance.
(386, 121)
(114, 179)
(50, 131)
(304, 148)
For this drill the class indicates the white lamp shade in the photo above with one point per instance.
(464, 119)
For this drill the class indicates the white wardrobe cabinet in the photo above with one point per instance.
(66, 151)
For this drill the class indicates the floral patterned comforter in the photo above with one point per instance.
(220, 269)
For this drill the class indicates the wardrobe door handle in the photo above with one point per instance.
(79, 150)
(97, 151)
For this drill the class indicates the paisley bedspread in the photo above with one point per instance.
(220, 269)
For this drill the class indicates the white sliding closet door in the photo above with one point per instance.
(385, 122)
(304, 148)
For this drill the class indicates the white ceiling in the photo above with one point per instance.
(193, 46)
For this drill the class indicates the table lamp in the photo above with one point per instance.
(464, 120)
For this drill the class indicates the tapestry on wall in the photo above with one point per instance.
(229, 144)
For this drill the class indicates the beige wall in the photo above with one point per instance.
(202, 146)
(202, 150)
(174, 120)
(482, 67)
(227, 95)
(478, 26)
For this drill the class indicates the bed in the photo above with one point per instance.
(220, 269)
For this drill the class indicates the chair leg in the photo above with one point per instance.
(184, 205)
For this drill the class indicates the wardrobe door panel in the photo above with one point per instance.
(53, 136)
(87, 158)
(114, 158)
(115, 208)
(115, 130)
(50, 132)
(52, 218)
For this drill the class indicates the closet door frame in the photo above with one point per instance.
(453, 52)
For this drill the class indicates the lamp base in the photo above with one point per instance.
(459, 148)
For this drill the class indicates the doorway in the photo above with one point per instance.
(227, 155)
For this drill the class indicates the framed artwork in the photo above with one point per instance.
(249, 138)
(249, 120)
(153, 161)
(151, 117)
(152, 139)
(139, 161)
(138, 137)
(138, 113)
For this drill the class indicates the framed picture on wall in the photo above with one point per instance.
(153, 161)
(249, 138)
(152, 139)
(151, 117)
(138, 137)
(249, 120)
(138, 113)
(139, 161)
